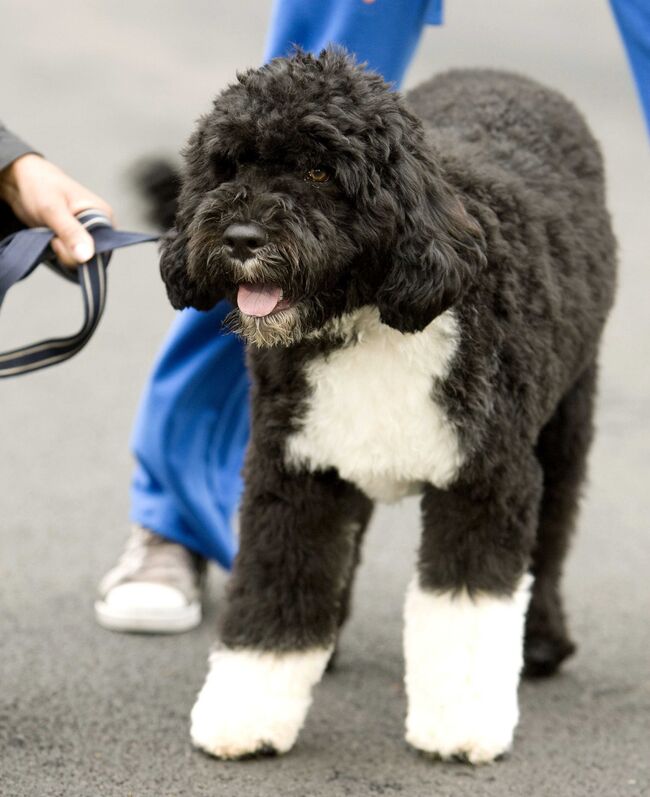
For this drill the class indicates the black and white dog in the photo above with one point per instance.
(423, 298)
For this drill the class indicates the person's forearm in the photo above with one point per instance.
(11, 147)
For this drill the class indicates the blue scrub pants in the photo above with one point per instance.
(192, 425)
(633, 18)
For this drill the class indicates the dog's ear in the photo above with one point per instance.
(437, 251)
(180, 250)
(183, 288)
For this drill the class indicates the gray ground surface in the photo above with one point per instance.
(85, 712)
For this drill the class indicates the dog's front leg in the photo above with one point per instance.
(297, 547)
(465, 613)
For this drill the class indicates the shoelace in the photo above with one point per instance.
(23, 251)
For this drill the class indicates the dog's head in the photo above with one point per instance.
(309, 191)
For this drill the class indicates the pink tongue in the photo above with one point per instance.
(258, 300)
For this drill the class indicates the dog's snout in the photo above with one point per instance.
(244, 239)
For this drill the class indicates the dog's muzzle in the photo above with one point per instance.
(258, 294)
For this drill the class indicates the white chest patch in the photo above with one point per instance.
(372, 412)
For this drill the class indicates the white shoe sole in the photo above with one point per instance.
(148, 621)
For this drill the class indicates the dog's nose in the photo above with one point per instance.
(244, 239)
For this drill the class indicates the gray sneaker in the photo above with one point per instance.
(155, 587)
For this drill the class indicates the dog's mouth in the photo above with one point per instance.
(260, 300)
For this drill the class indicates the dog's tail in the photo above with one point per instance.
(158, 182)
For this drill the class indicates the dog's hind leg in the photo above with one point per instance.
(562, 451)
(298, 547)
(465, 610)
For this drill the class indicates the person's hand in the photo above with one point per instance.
(40, 194)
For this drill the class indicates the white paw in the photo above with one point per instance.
(255, 701)
(461, 731)
(463, 659)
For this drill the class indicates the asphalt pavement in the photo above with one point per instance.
(88, 713)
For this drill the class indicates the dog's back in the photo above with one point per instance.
(516, 122)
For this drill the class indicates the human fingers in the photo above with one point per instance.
(72, 244)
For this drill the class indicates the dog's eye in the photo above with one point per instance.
(317, 176)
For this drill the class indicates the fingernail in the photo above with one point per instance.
(83, 251)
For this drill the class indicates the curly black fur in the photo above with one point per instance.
(489, 201)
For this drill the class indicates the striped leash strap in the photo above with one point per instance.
(23, 251)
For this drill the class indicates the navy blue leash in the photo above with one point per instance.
(23, 251)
